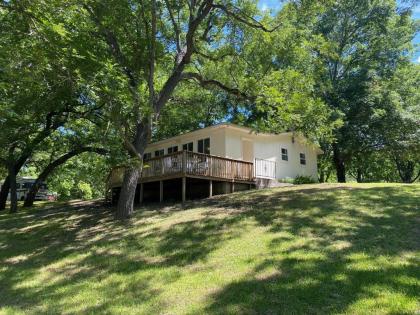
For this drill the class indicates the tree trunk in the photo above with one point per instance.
(339, 164)
(405, 170)
(128, 191)
(6, 186)
(30, 197)
(359, 178)
(50, 126)
(4, 192)
(321, 176)
(13, 190)
(132, 173)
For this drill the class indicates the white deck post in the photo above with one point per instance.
(210, 188)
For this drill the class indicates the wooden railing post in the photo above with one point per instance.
(210, 166)
(184, 162)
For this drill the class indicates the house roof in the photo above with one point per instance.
(209, 128)
(227, 126)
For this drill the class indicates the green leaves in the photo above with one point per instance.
(288, 102)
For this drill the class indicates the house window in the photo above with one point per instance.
(284, 155)
(147, 156)
(188, 147)
(159, 153)
(204, 146)
(172, 149)
(302, 158)
(27, 185)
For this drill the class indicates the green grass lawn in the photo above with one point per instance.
(313, 249)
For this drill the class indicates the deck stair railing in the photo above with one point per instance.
(264, 169)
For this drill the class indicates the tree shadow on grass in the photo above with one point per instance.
(315, 263)
(314, 287)
(67, 250)
(347, 255)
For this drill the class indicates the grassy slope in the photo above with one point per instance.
(322, 249)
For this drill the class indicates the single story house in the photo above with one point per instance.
(217, 160)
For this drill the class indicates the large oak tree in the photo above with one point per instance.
(152, 47)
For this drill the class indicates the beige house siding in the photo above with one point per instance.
(217, 142)
(292, 167)
(227, 141)
(268, 147)
(234, 143)
(216, 135)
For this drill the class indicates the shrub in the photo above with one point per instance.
(63, 189)
(300, 180)
(286, 180)
(83, 191)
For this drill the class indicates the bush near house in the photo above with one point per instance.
(300, 180)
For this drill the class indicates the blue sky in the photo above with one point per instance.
(277, 4)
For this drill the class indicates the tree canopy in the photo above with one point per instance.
(81, 77)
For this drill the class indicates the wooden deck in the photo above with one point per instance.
(190, 164)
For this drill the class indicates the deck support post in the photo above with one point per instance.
(161, 191)
(141, 193)
(210, 188)
(232, 187)
(184, 188)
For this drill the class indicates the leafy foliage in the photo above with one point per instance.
(117, 74)
(82, 178)
(361, 43)
(301, 180)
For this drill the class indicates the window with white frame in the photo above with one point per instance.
(204, 146)
(284, 154)
(188, 147)
(160, 152)
(302, 157)
(173, 149)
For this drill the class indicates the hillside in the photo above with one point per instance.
(315, 249)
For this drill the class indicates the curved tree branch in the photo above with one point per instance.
(30, 197)
(234, 12)
(211, 82)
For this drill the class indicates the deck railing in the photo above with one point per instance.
(264, 168)
(217, 167)
(186, 163)
(166, 165)
(198, 164)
